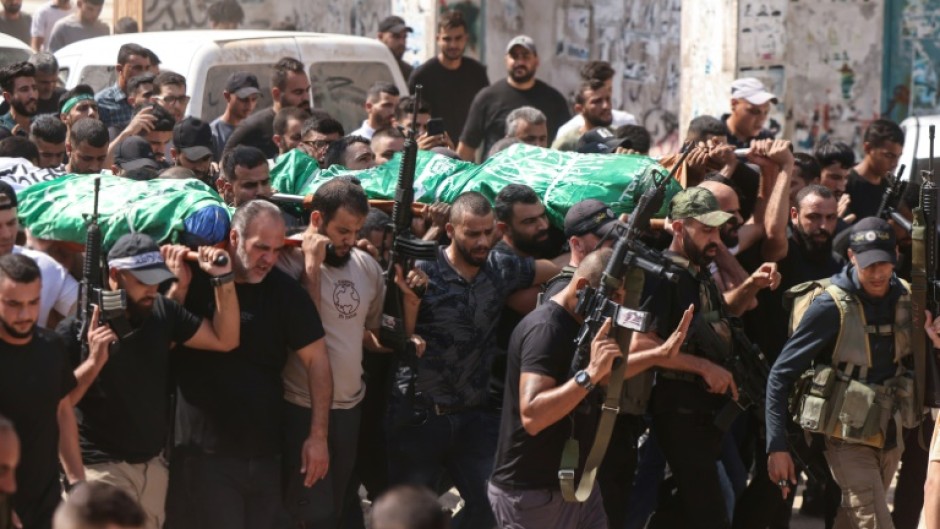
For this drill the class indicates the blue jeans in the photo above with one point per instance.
(463, 444)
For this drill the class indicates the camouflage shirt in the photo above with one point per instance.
(458, 320)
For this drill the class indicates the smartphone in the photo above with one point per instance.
(435, 127)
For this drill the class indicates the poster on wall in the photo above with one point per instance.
(573, 33)
(419, 15)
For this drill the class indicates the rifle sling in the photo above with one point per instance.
(580, 492)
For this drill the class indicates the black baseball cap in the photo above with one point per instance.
(139, 254)
(7, 196)
(242, 84)
(193, 137)
(872, 241)
(394, 24)
(133, 153)
(589, 216)
(599, 140)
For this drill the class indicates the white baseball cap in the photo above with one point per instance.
(751, 90)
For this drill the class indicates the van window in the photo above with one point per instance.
(213, 104)
(340, 88)
(10, 56)
(98, 76)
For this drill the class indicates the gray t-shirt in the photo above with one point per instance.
(220, 134)
(70, 29)
(18, 28)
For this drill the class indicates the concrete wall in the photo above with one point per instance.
(639, 37)
(357, 17)
(709, 59)
(823, 58)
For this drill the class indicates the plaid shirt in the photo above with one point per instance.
(113, 108)
(7, 121)
(458, 320)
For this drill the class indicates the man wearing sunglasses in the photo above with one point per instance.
(750, 107)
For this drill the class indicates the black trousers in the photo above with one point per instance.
(222, 492)
(692, 444)
(615, 476)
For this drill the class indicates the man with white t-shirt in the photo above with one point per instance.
(44, 19)
(603, 72)
(59, 293)
(348, 288)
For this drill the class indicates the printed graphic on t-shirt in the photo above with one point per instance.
(346, 299)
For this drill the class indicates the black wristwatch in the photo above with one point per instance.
(218, 281)
(583, 379)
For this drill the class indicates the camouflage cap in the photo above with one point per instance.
(700, 204)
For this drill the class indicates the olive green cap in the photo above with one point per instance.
(700, 204)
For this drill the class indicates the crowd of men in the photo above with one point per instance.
(246, 385)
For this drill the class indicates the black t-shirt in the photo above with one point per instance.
(51, 105)
(767, 324)
(667, 301)
(33, 379)
(123, 416)
(450, 92)
(231, 403)
(486, 122)
(542, 343)
(256, 131)
(866, 197)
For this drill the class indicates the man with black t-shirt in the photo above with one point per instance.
(230, 413)
(539, 408)
(290, 87)
(450, 80)
(866, 184)
(122, 387)
(35, 381)
(520, 216)
(486, 123)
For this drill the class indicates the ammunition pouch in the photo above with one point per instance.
(828, 402)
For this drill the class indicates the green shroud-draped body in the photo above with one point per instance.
(562, 179)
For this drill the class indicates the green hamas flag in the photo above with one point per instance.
(562, 179)
(167, 210)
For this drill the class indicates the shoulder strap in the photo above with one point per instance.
(797, 300)
(580, 492)
(565, 275)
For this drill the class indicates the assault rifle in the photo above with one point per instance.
(111, 304)
(595, 306)
(888, 209)
(91, 283)
(750, 370)
(925, 290)
(405, 250)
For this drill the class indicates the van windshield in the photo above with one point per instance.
(340, 88)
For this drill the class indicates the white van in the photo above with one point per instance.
(341, 67)
(13, 50)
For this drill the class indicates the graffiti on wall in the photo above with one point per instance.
(644, 49)
(913, 59)
(359, 17)
(834, 70)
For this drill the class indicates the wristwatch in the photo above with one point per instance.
(583, 379)
(218, 281)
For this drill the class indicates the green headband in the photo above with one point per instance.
(70, 104)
